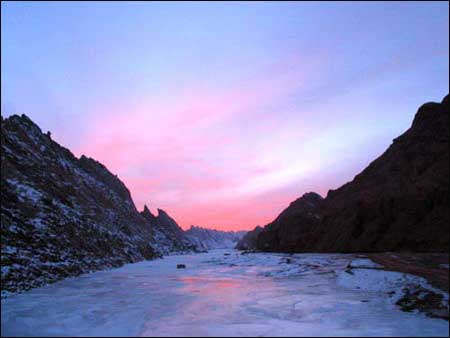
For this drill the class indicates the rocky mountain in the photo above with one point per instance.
(62, 216)
(209, 239)
(169, 237)
(249, 240)
(400, 202)
(301, 211)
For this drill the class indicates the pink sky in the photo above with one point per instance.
(224, 113)
(206, 155)
(228, 157)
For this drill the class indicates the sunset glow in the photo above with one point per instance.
(223, 114)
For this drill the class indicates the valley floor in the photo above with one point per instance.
(225, 293)
(432, 266)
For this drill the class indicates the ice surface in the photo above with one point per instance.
(364, 263)
(388, 282)
(219, 295)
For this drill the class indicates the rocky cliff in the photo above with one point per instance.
(398, 203)
(169, 236)
(302, 218)
(62, 216)
(209, 239)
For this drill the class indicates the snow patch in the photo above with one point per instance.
(382, 281)
(364, 263)
(25, 191)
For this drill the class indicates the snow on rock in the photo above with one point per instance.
(169, 237)
(402, 288)
(209, 239)
(62, 216)
(364, 277)
(376, 280)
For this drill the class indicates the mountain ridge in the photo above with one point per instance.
(398, 202)
(62, 215)
(209, 239)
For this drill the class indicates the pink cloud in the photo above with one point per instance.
(204, 154)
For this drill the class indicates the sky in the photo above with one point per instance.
(223, 113)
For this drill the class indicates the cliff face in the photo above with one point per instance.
(399, 202)
(209, 239)
(62, 216)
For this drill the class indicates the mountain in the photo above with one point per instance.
(249, 240)
(209, 239)
(170, 238)
(283, 238)
(62, 216)
(276, 236)
(398, 203)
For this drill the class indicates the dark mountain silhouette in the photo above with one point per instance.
(62, 216)
(249, 240)
(285, 238)
(398, 203)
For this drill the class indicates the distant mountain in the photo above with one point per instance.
(62, 216)
(208, 239)
(400, 202)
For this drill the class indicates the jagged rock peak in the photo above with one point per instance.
(102, 173)
(309, 198)
(146, 210)
(21, 119)
(146, 213)
(312, 196)
(430, 111)
(23, 122)
(162, 213)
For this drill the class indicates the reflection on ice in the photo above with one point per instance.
(216, 295)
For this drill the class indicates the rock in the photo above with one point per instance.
(423, 300)
(181, 266)
(146, 213)
(209, 239)
(400, 202)
(276, 236)
(248, 241)
(62, 216)
(171, 238)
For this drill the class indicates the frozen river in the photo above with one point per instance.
(220, 293)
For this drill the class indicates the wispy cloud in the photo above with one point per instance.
(224, 113)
